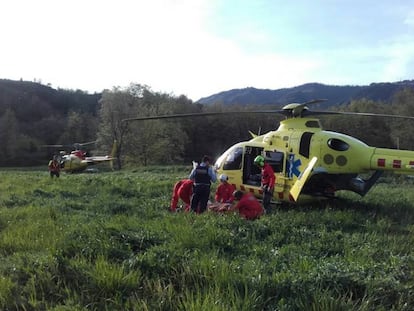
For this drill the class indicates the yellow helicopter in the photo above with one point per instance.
(309, 162)
(78, 160)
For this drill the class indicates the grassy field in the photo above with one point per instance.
(106, 241)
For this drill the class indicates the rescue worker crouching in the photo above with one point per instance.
(224, 195)
(247, 206)
(183, 189)
(224, 192)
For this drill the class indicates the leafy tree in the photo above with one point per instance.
(9, 134)
(213, 135)
(80, 127)
(41, 115)
(144, 142)
(402, 130)
(116, 105)
(156, 141)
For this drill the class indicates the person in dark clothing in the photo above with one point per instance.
(202, 175)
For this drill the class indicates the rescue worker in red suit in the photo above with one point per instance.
(248, 206)
(54, 167)
(183, 190)
(224, 196)
(202, 175)
(268, 181)
(224, 192)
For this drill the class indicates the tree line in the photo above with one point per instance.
(43, 116)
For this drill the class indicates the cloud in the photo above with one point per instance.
(409, 20)
(400, 56)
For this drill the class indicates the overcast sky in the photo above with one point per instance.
(201, 47)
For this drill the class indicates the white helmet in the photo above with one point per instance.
(223, 177)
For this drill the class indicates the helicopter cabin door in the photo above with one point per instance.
(252, 173)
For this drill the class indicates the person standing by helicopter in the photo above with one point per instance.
(202, 175)
(268, 181)
(54, 167)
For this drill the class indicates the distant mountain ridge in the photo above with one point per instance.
(302, 93)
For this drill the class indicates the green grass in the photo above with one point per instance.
(107, 242)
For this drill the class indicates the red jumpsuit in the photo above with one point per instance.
(183, 190)
(224, 193)
(268, 176)
(249, 207)
(268, 184)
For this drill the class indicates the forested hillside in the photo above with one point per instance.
(334, 93)
(33, 115)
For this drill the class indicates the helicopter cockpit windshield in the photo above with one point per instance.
(231, 160)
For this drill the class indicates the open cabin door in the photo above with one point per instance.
(252, 173)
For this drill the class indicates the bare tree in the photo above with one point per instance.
(116, 105)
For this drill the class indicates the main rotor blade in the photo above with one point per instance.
(291, 110)
(315, 101)
(364, 114)
(200, 114)
(53, 146)
(86, 144)
(74, 145)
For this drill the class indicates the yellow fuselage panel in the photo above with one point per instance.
(73, 163)
(355, 159)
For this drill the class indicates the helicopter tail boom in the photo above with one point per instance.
(398, 161)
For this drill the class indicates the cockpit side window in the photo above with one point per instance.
(276, 160)
(233, 159)
(304, 147)
(337, 144)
